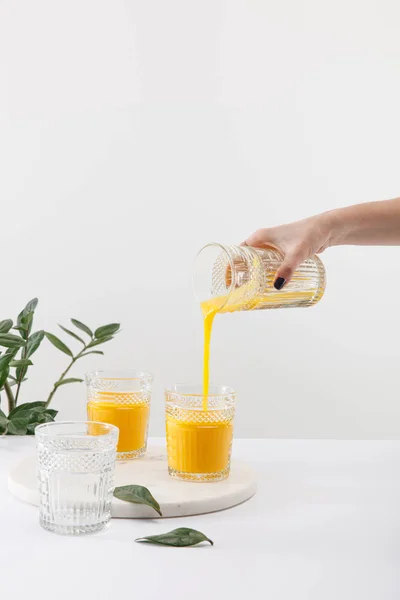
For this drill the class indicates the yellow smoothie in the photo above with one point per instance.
(128, 414)
(198, 447)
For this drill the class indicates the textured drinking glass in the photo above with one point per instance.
(242, 278)
(76, 463)
(199, 442)
(122, 398)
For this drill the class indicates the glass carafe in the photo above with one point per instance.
(231, 278)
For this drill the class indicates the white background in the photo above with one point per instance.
(132, 133)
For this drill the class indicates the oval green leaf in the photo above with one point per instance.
(3, 376)
(68, 380)
(5, 325)
(6, 358)
(72, 334)
(93, 352)
(23, 362)
(181, 538)
(100, 341)
(8, 340)
(17, 426)
(137, 494)
(82, 327)
(58, 344)
(26, 406)
(106, 330)
(34, 342)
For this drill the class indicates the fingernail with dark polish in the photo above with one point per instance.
(279, 283)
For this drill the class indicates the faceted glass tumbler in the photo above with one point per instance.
(232, 278)
(122, 398)
(199, 442)
(76, 463)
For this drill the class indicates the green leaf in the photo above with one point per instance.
(106, 330)
(31, 306)
(34, 342)
(93, 352)
(3, 376)
(3, 422)
(68, 380)
(137, 494)
(23, 362)
(181, 537)
(17, 426)
(82, 327)
(5, 325)
(8, 340)
(58, 344)
(26, 406)
(25, 318)
(100, 341)
(71, 333)
(7, 357)
(50, 411)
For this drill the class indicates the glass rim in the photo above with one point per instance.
(44, 427)
(224, 248)
(228, 391)
(118, 374)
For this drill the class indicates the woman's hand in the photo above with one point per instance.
(297, 241)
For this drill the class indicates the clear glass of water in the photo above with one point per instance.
(76, 463)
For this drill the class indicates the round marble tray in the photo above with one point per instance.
(176, 498)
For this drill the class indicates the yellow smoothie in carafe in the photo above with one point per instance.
(125, 411)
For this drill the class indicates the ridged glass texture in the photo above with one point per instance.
(76, 463)
(242, 278)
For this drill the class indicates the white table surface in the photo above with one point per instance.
(324, 525)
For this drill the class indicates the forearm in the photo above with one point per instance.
(370, 224)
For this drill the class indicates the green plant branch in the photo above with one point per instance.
(10, 396)
(71, 364)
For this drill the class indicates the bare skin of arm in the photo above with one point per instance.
(370, 224)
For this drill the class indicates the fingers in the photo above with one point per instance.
(293, 258)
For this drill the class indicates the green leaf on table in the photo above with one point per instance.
(3, 422)
(106, 330)
(72, 334)
(51, 412)
(17, 426)
(137, 494)
(34, 342)
(58, 343)
(8, 340)
(68, 380)
(100, 341)
(181, 537)
(22, 362)
(93, 352)
(5, 325)
(82, 327)
(26, 406)
(3, 376)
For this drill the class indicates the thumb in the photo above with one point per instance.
(293, 258)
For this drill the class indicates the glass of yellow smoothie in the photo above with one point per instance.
(122, 398)
(199, 431)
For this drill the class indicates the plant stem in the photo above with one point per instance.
(22, 375)
(71, 364)
(10, 397)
